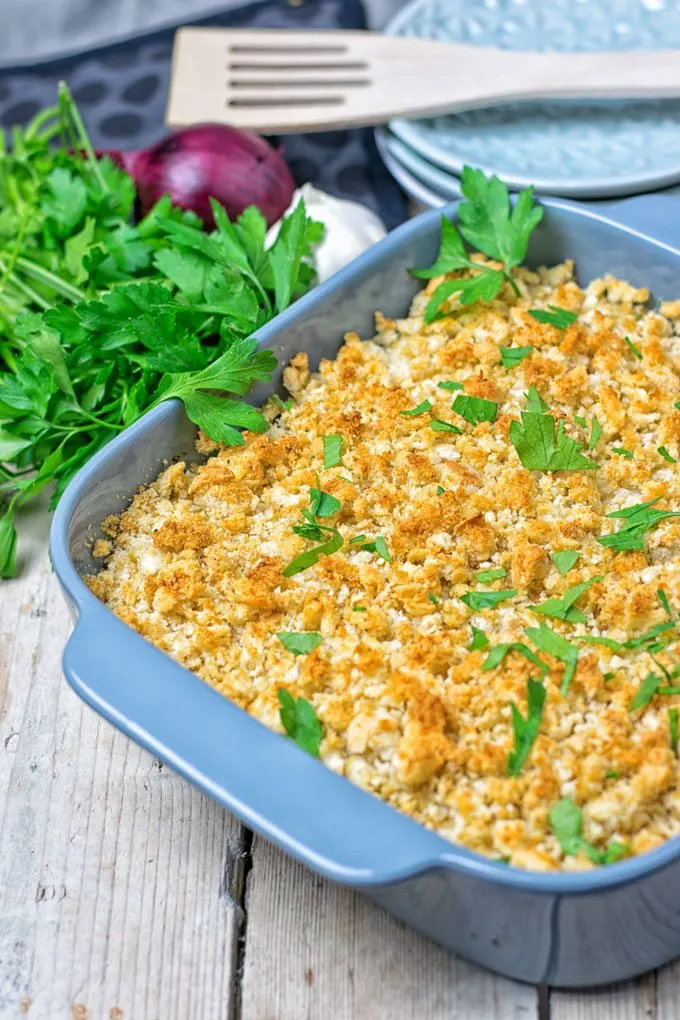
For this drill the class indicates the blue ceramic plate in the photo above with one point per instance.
(586, 150)
(440, 181)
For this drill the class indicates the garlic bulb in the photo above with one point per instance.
(351, 228)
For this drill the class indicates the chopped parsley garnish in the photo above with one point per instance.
(358, 609)
(440, 490)
(357, 539)
(539, 447)
(450, 385)
(437, 425)
(565, 560)
(595, 433)
(612, 774)
(300, 722)
(639, 519)
(628, 454)
(665, 604)
(323, 504)
(489, 223)
(563, 608)
(284, 405)
(299, 644)
(526, 730)
(511, 356)
(377, 545)
(650, 641)
(479, 639)
(497, 655)
(663, 452)
(636, 350)
(677, 405)
(535, 402)
(486, 599)
(566, 822)
(558, 317)
(648, 688)
(490, 575)
(580, 420)
(422, 408)
(673, 729)
(554, 644)
(474, 409)
(433, 598)
(332, 451)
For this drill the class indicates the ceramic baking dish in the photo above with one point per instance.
(564, 929)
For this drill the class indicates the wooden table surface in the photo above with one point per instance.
(125, 894)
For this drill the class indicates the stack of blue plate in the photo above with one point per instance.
(576, 150)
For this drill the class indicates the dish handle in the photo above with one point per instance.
(657, 216)
(265, 779)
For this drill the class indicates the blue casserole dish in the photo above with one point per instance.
(564, 929)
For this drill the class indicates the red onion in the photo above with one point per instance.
(211, 161)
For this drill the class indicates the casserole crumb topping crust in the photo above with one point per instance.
(455, 673)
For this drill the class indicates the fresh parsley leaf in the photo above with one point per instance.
(595, 433)
(540, 448)
(663, 452)
(511, 356)
(440, 490)
(474, 409)
(332, 451)
(526, 729)
(665, 604)
(673, 729)
(322, 504)
(452, 255)
(563, 608)
(299, 644)
(490, 575)
(482, 287)
(284, 405)
(636, 351)
(612, 774)
(312, 556)
(498, 654)
(535, 402)
(566, 822)
(648, 688)
(450, 385)
(580, 420)
(554, 644)
(479, 639)
(358, 609)
(490, 224)
(639, 519)
(377, 545)
(300, 722)
(486, 599)
(422, 408)
(357, 539)
(628, 454)
(565, 560)
(558, 317)
(433, 598)
(8, 545)
(437, 425)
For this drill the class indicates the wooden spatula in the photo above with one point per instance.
(286, 81)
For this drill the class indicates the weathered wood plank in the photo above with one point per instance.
(119, 882)
(315, 950)
(631, 1000)
(668, 992)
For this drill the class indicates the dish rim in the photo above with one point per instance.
(86, 605)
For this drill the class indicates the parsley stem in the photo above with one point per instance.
(17, 282)
(512, 283)
(38, 272)
(50, 114)
(83, 140)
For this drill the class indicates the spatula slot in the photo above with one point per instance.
(291, 83)
(266, 101)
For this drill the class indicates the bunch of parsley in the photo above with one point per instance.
(101, 318)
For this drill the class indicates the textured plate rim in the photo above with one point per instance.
(441, 181)
(415, 189)
(602, 187)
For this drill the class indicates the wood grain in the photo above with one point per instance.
(119, 882)
(630, 1000)
(316, 951)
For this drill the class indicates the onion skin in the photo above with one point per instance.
(212, 161)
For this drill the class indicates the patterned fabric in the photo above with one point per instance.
(122, 92)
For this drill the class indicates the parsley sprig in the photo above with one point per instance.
(488, 222)
(101, 317)
(321, 504)
(542, 444)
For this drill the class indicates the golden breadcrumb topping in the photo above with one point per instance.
(196, 565)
